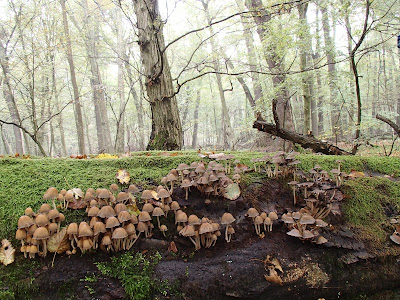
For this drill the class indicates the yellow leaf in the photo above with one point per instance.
(58, 242)
(123, 176)
(6, 253)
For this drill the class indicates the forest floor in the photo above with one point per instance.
(360, 262)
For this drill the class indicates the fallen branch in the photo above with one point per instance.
(305, 141)
(395, 127)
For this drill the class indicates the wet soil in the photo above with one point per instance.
(345, 269)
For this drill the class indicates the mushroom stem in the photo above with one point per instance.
(158, 221)
(194, 242)
(187, 194)
(44, 248)
(226, 233)
(255, 226)
(294, 195)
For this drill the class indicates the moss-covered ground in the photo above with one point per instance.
(369, 203)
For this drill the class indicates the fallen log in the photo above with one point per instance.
(395, 127)
(305, 141)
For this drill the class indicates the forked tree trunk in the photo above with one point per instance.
(77, 104)
(166, 130)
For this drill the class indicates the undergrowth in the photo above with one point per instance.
(135, 274)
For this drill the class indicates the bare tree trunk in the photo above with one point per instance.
(10, 100)
(77, 104)
(398, 84)
(196, 121)
(320, 102)
(226, 123)
(120, 138)
(7, 147)
(166, 133)
(281, 107)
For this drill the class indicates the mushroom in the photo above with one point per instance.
(252, 213)
(72, 232)
(227, 219)
(163, 229)
(42, 234)
(147, 195)
(118, 238)
(51, 194)
(186, 184)
(157, 212)
(188, 231)
(293, 185)
(163, 194)
(107, 242)
(257, 222)
(267, 224)
(171, 178)
(111, 223)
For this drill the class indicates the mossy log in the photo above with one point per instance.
(305, 141)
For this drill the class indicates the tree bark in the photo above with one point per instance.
(166, 130)
(121, 48)
(77, 104)
(196, 121)
(395, 127)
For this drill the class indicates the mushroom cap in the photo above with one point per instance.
(119, 233)
(148, 207)
(252, 212)
(130, 229)
(99, 227)
(106, 212)
(113, 187)
(182, 167)
(175, 205)
(227, 218)
(163, 228)
(231, 230)
(72, 228)
(320, 223)
(194, 220)
(188, 230)
(41, 234)
(44, 208)
(307, 234)
(120, 207)
(93, 211)
(33, 249)
(25, 222)
(296, 215)
(112, 222)
(287, 219)
(144, 216)
(268, 221)
(93, 203)
(84, 230)
(200, 168)
(104, 194)
(157, 212)
(53, 227)
(61, 218)
(205, 227)
(51, 193)
(93, 221)
(307, 219)
(171, 177)
(295, 232)
(273, 216)
(133, 189)
(215, 226)
(29, 212)
(321, 240)
(395, 238)
(124, 216)
(147, 195)
(134, 219)
(181, 217)
(87, 244)
(141, 227)
(69, 195)
(41, 220)
(122, 196)
(20, 234)
(163, 193)
(258, 220)
(106, 240)
(202, 180)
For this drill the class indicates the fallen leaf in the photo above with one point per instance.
(123, 176)
(7, 253)
(77, 204)
(356, 174)
(172, 247)
(276, 264)
(154, 193)
(59, 242)
(273, 277)
(232, 191)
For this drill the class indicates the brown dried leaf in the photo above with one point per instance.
(273, 277)
(123, 176)
(77, 204)
(232, 191)
(59, 242)
(276, 264)
(172, 247)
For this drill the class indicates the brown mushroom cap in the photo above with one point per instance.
(99, 227)
(227, 218)
(144, 216)
(141, 227)
(20, 234)
(181, 217)
(307, 219)
(29, 212)
(194, 220)
(268, 221)
(106, 240)
(287, 219)
(182, 167)
(148, 207)
(157, 212)
(134, 219)
(122, 196)
(205, 227)
(52, 227)
(258, 220)
(119, 233)
(124, 216)
(273, 216)
(252, 212)
(93, 203)
(120, 207)
(106, 212)
(113, 187)
(295, 232)
(51, 193)
(72, 228)
(93, 211)
(395, 238)
(175, 206)
(163, 193)
(186, 183)
(320, 223)
(41, 220)
(69, 196)
(44, 208)
(41, 234)
(25, 222)
(133, 189)
(307, 234)
(130, 229)
(188, 230)
(104, 194)
(85, 230)
(147, 195)
(163, 228)
(112, 222)
(321, 240)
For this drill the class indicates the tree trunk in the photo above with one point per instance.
(77, 104)
(166, 130)
(7, 147)
(398, 84)
(316, 56)
(196, 121)
(10, 100)
(281, 106)
(227, 131)
(120, 137)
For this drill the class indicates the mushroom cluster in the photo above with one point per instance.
(262, 220)
(303, 225)
(281, 164)
(35, 229)
(209, 178)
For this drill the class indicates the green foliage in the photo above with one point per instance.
(371, 203)
(135, 274)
